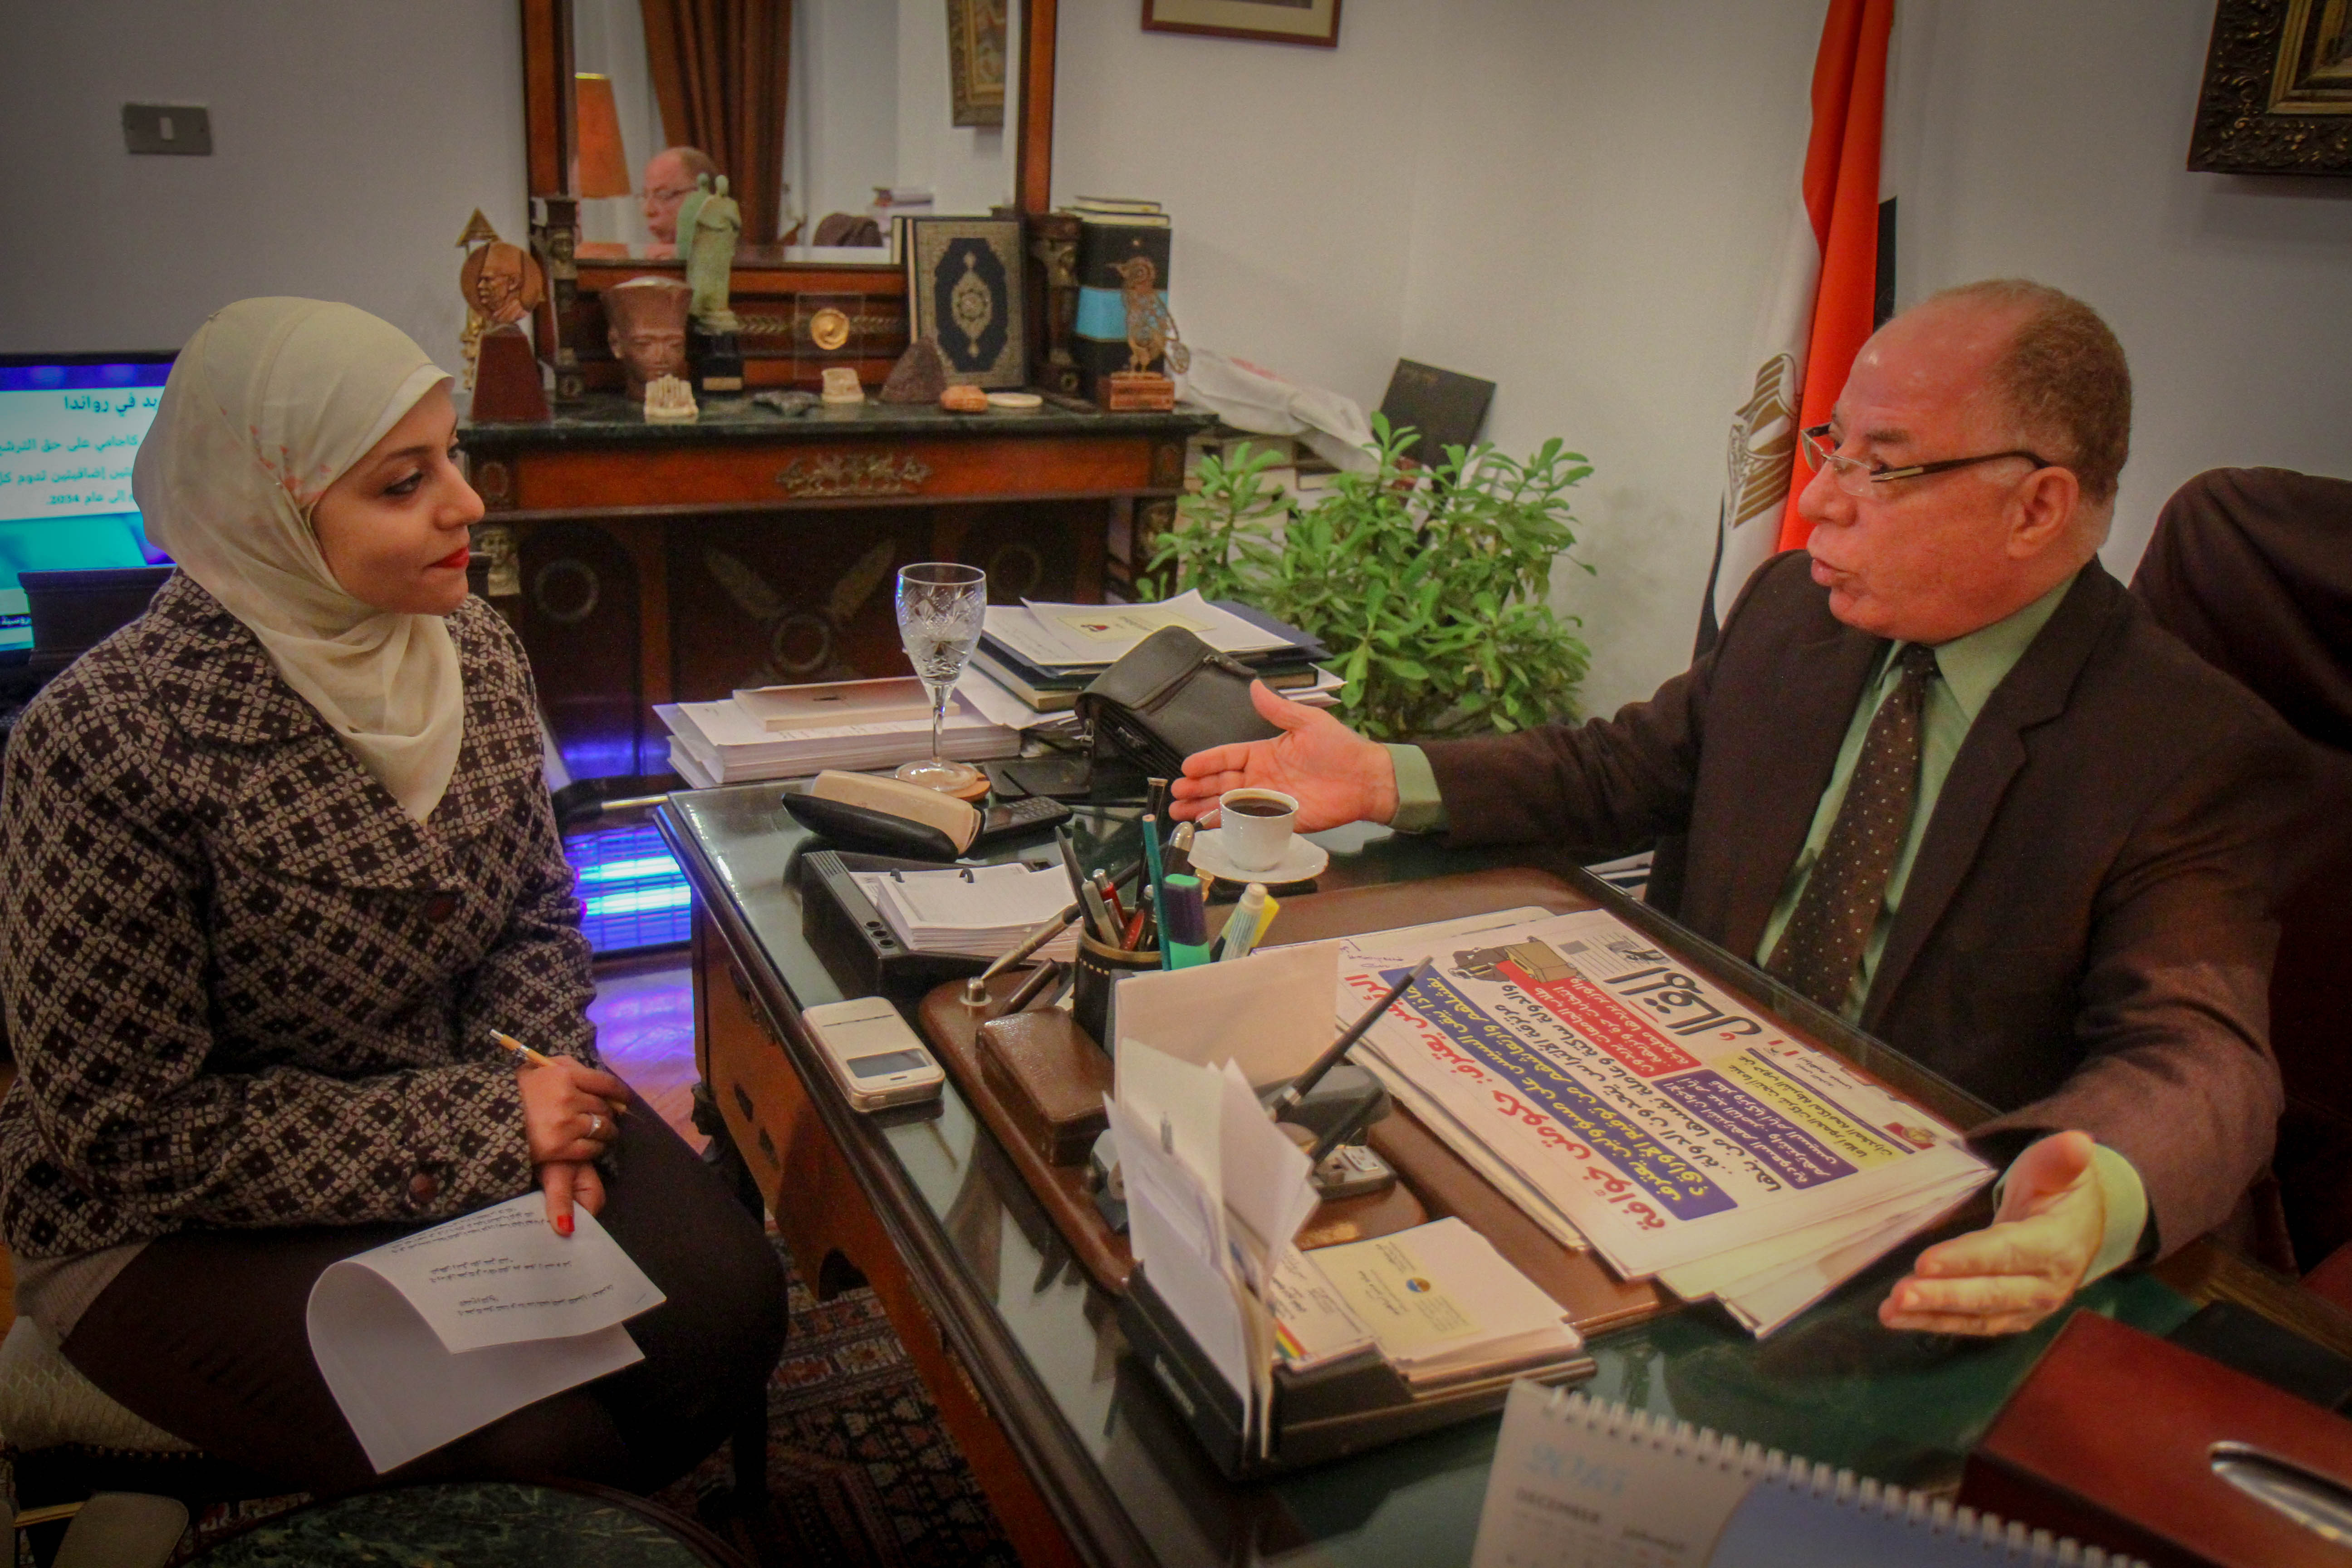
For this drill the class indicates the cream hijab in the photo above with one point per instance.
(271, 402)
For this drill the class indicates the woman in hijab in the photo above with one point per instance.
(276, 859)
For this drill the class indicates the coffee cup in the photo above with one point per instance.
(1255, 826)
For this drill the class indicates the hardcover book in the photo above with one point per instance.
(964, 292)
(1107, 252)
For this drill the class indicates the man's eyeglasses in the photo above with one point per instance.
(1855, 477)
(659, 194)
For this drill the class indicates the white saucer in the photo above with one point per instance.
(1303, 859)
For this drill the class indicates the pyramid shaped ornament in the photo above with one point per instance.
(478, 230)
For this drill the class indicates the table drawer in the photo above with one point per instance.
(798, 473)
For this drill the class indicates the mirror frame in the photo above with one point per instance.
(569, 322)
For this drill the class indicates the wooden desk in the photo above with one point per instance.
(1079, 1452)
(647, 563)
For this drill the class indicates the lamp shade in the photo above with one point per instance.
(602, 169)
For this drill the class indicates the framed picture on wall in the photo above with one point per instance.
(976, 61)
(2277, 98)
(1275, 21)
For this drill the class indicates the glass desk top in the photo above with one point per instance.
(1834, 1386)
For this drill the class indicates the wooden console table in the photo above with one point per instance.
(647, 563)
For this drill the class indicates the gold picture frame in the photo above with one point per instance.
(976, 40)
(2277, 98)
(1312, 22)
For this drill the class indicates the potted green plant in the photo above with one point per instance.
(1427, 582)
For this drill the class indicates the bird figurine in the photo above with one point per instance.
(1150, 330)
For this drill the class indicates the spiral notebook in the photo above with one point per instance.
(1579, 1483)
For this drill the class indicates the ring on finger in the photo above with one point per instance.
(595, 1125)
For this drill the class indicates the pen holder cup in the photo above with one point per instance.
(1100, 967)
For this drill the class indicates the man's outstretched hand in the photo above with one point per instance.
(1336, 776)
(2024, 1266)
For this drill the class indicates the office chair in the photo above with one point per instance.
(2252, 569)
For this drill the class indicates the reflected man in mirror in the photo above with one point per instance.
(671, 176)
(1943, 775)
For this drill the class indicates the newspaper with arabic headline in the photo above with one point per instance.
(1645, 1110)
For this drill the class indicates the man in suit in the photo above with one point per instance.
(1943, 775)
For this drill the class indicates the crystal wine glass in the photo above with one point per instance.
(941, 608)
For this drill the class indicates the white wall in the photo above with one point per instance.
(2050, 142)
(609, 36)
(350, 142)
(1598, 210)
(968, 169)
(1583, 200)
(1288, 172)
(1580, 199)
(845, 88)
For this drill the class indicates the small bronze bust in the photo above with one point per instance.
(645, 325)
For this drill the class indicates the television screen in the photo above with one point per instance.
(69, 427)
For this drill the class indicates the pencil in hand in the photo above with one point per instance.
(526, 1056)
(523, 1053)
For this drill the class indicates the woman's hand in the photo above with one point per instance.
(1336, 776)
(570, 1110)
(567, 1183)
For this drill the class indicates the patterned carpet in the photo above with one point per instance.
(861, 1472)
(859, 1467)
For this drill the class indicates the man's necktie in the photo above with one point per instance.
(1822, 944)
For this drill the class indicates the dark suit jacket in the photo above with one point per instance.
(245, 987)
(2085, 939)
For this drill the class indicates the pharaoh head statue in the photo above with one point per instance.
(645, 323)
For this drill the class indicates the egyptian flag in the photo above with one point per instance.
(1822, 311)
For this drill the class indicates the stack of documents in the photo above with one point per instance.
(1216, 1193)
(424, 1338)
(1046, 653)
(984, 912)
(1630, 1105)
(1440, 1304)
(791, 731)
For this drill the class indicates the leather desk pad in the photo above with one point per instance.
(1440, 1183)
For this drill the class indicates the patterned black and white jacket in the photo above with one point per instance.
(243, 986)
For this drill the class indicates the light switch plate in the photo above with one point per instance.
(184, 128)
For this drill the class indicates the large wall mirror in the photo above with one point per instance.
(808, 107)
(809, 117)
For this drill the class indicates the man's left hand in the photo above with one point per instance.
(2023, 1267)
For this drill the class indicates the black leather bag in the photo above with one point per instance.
(1171, 695)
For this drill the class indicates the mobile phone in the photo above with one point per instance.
(874, 1056)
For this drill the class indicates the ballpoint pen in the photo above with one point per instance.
(1109, 891)
(1151, 873)
(1045, 974)
(1179, 857)
(1070, 865)
(975, 990)
(1305, 1082)
(1099, 922)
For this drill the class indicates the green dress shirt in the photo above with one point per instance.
(1972, 667)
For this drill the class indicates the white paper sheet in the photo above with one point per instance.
(1268, 1013)
(425, 1339)
(1090, 637)
(1174, 1226)
(1266, 1179)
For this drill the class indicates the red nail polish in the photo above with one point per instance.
(563, 1225)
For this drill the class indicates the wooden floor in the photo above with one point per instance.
(643, 1013)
